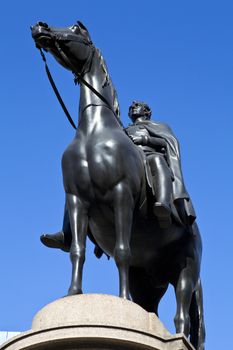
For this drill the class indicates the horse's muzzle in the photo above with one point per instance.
(41, 34)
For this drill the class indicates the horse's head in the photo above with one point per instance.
(72, 42)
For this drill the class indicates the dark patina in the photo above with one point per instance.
(109, 200)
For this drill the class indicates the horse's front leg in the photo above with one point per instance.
(78, 223)
(123, 211)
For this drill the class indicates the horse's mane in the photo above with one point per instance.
(108, 82)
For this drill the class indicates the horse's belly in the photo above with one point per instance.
(101, 223)
(103, 229)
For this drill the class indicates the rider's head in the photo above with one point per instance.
(139, 110)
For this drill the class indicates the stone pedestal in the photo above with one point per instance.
(94, 321)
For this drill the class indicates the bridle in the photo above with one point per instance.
(78, 76)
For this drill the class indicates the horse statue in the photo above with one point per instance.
(104, 179)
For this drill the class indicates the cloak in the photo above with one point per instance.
(163, 131)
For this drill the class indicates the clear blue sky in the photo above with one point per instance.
(175, 55)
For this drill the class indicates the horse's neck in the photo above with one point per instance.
(99, 79)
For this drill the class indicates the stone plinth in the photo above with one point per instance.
(94, 321)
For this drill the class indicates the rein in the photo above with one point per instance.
(56, 91)
(78, 77)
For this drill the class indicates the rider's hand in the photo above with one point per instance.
(136, 139)
(139, 140)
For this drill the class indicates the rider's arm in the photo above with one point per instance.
(153, 141)
(146, 140)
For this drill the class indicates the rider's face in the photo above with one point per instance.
(136, 110)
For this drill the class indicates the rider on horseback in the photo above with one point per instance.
(164, 174)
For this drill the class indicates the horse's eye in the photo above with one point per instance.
(74, 27)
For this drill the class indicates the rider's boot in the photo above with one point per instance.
(163, 213)
(61, 239)
(56, 240)
(162, 185)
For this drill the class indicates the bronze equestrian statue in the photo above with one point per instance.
(109, 200)
(164, 175)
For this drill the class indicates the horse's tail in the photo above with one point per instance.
(197, 331)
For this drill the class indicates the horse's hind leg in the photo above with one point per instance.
(78, 223)
(197, 332)
(142, 290)
(123, 212)
(184, 288)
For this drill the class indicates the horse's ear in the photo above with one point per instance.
(82, 26)
(84, 30)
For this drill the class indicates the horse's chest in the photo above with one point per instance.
(75, 170)
(81, 174)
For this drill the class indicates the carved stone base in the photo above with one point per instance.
(95, 321)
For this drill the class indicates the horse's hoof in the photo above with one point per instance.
(125, 296)
(74, 291)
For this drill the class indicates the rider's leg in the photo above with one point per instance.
(61, 239)
(123, 210)
(162, 185)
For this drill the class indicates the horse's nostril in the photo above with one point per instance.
(42, 24)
